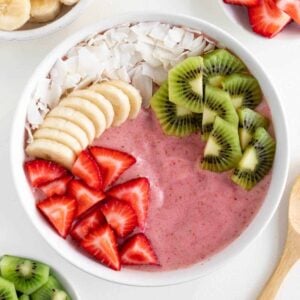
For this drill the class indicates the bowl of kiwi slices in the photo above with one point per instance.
(233, 84)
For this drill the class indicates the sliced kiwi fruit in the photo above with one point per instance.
(27, 275)
(174, 119)
(222, 151)
(7, 290)
(24, 297)
(186, 84)
(249, 121)
(220, 63)
(256, 161)
(217, 103)
(52, 290)
(244, 90)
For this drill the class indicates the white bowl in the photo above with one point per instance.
(34, 31)
(128, 276)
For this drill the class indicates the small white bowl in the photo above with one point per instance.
(135, 277)
(35, 31)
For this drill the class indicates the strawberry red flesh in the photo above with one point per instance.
(120, 216)
(41, 171)
(56, 187)
(112, 163)
(291, 7)
(86, 168)
(85, 196)
(267, 19)
(102, 244)
(136, 192)
(242, 2)
(60, 211)
(137, 250)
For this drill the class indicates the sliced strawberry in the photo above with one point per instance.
(102, 244)
(120, 216)
(41, 171)
(112, 163)
(242, 2)
(88, 222)
(85, 196)
(136, 192)
(137, 250)
(60, 211)
(56, 187)
(267, 19)
(291, 7)
(86, 168)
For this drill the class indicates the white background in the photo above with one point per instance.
(241, 278)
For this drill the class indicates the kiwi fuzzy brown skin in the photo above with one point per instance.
(7, 290)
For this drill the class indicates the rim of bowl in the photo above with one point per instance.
(142, 278)
(49, 28)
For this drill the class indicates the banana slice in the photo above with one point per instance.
(101, 102)
(118, 99)
(89, 109)
(133, 95)
(76, 117)
(69, 2)
(44, 10)
(67, 127)
(50, 150)
(59, 137)
(14, 14)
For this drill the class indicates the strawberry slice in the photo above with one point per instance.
(60, 211)
(88, 222)
(242, 2)
(120, 216)
(56, 187)
(137, 250)
(41, 171)
(85, 196)
(291, 7)
(102, 244)
(86, 168)
(267, 19)
(136, 192)
(112, 163)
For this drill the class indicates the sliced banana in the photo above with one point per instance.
(67, 127)
(101, 102)
(50, 150)
(44, 10)
(89, 109)
(76, 117)
(118, 99)
(14, 14)
(133, 95)
(69, 2)
(59, 137)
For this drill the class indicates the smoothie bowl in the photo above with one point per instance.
(152, 143)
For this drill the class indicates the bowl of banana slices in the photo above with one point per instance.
(30, 19)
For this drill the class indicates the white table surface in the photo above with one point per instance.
(241, 278)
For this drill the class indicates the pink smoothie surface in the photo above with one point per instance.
(193, 213)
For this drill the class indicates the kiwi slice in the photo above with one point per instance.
(24, 297)
(222, 151)
(220, 63)
(186, 84)
(7, 290)
(27, 275)
(256, 161)
(52, 290)
(174, 119)
(249, 121)
(244, 90)
(217, 103)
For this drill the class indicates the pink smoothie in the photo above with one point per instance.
(190, 208)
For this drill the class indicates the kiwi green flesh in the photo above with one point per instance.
(27, 275)
(222, 151)
(24, 297)
(256, 161)
(244, 90)
(217, 103)
(7, 290)
(186, 84)
(174, 119)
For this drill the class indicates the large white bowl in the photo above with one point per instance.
(133, 277)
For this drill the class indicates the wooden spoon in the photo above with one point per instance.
(291, 251)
